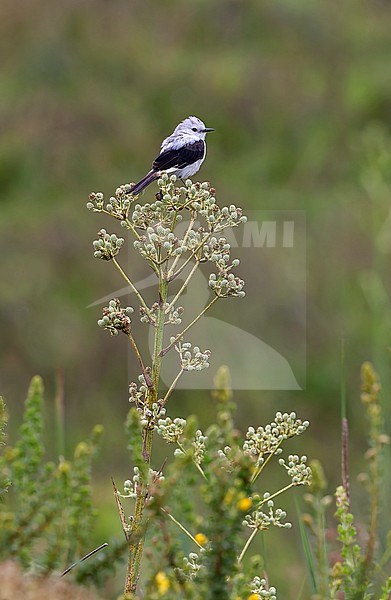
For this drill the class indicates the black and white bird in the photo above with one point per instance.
(181, 154)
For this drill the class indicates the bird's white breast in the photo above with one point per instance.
(190, 170)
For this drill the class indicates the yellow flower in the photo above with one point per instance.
(244, 504)
(254, 597)
(201, 539)
(162, 582)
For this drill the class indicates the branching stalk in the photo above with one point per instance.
(171, 388)
(159, 248)
(169, 515)
(193, 254)
(247, 544)
(164, 351)
(140, 360)
(281, 491)
(194, 462)
(185, 238)
(131, 285)
(136, 549)
(263, 465)
(184, 286)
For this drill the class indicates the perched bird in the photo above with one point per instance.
(181, 154)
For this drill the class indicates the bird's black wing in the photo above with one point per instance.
(180, 157)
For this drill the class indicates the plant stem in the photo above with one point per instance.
(181, 527)
(140, 360)
(129, 224)
(184, 285)
(136, 548)
(321, 547)
(345, 457)
(281, 491)
(172, 386)
(247, 544)
(131, 285)
(374, 509)
(174, 264)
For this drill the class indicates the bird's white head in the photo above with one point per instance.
(192, 126)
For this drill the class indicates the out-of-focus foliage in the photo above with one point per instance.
(16, 584)
(4, 481)
(360, 568)
(47, 516)
(88, 91)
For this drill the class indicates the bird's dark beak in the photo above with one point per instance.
(208, 129)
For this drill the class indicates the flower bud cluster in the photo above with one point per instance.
(288, 425)
(164, 210)
(168, 190)
(137, 394)
(260, 520)
(95, 201)
(195, 239)
(267, 440)
(226, 456)
(161, 211)
(150, 416)
(170, 430)
(203, 193)
(231, 216)
(147, 315)
(260, 586)
(159, 239)
(115, 318)
(156, 476)
(157, 218)
(118, 206)
(192, 359)
(297, 469)
(174, 314)
(191, 566)
(203, 202)
(199, 447)
(145, 214)
(226, 284)
(218, 250)
(131, 485)
(107, 245)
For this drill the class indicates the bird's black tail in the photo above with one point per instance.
(142, 184)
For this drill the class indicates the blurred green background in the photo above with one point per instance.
(299, 93)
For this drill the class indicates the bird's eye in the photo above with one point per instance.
(194, 129)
